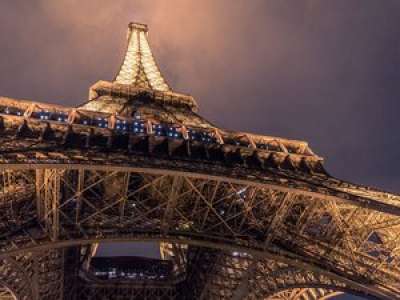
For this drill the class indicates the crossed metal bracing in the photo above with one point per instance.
(305, 294)
(240, 215)
(205, 264)
(6, 294)
(352, 246)
(233, 275)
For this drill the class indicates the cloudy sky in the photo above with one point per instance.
(323, 71)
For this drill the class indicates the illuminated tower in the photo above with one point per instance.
(237, 215)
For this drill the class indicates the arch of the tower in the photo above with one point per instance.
(209, 273)
(241, 276)
(309, 294)
(289, 223)
(291, 283)
(304, 294)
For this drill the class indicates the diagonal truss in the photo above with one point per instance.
(356, 244)
(237, 215)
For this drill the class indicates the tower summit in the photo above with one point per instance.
(139, 68)
(238, 215)
(138, 78)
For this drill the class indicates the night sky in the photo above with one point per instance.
(327, 72)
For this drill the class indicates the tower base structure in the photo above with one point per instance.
(237, 215)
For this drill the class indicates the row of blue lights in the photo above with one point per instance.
(46, 115)
(121, 125)
(137, 126)
(196, 135)
(11, 111)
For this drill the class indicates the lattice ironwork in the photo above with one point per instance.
(241, 216)
(139, 67)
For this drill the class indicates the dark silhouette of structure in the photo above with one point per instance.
(237, 215)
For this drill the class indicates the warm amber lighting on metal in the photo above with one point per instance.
(139, 67)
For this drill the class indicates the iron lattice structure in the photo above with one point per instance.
(237, 215)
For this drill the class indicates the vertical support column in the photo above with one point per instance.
(166, 249)
(55, 200)
(176, 187)
(48, 193)
(79, 188)
(125, 192)
(39, 174)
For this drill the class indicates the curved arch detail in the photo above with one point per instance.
(88, 205)
(304, 294)
(315, 286)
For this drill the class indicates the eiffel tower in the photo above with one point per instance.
(236, 215)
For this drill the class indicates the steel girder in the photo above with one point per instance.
(242, 216)
(354, 245)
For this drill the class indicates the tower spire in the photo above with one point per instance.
(139, 67)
